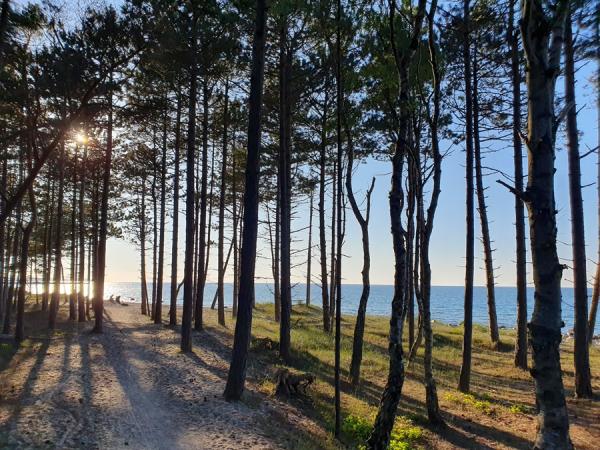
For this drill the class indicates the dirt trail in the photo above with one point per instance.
(131, 388)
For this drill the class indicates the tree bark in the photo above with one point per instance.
(390, 398)
(486, 240)
(583, 382)
(284, 172)
(188, 281)
(542, 49)
(465, 368)
(363, 222)
(103, 229)
(55, 299)
(309, 249)
(161, 234)
(322, 238)
(81, 219)
(73, 294)
(20, 320)
(174, 242)
(237, 370)
(201, 280)
(223, 193)
(520, 358)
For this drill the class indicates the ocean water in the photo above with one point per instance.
(446, 301)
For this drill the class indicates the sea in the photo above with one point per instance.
(446, 301)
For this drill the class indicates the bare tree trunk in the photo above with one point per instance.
(201, 279)
(363, 222)
(188, 281)
(390, 398)
(154, 226)
(483, 217)
(234, 310)
(80, 296)
(583, 382)
(103, 230)
(596, 291)
(309, 249)
(161, 234)
(283, 174)
(20, 322)
(521, 252)
(542, 50)
(237, 370)
(223, 193)
(174, 242)
(322, 239)
(464, 381)
(55, 299)
(426, 228)
(333, 248)
(72, 294)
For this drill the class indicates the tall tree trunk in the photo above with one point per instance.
(155, 227)
(426, 228)
(333, 248)
(237, 370)
(55, 299)
(161, 236)
(201, 280)
(103, 229)
(322, 238)
(144, 284)
(3, 226)
(188, 281)
(338, 232)
(284, 191)
(73, 294)
(390, 398)
(464, 381)
(521, 251)
(81, 219)
(223, 193)
(583, 382)
(234, 310)
(542, 50)
(363, 222)
(309, 249)
(174, 241)
(277, 256)
(20, 321)
(483, 217)
(596, 291)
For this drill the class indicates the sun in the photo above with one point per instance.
(81, 138)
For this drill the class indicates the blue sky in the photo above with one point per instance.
(448, 241)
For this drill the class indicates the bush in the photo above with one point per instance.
(358, 428)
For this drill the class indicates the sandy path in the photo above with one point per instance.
(131, 388)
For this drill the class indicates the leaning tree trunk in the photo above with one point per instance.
(583, 382)
(465, 368)
(483, 217)
(520, 358)
(237, 370)
(363, 222)
(188, 269)
(542, 50)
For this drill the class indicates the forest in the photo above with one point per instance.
(215, 136)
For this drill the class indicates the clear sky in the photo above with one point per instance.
(448, 241)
